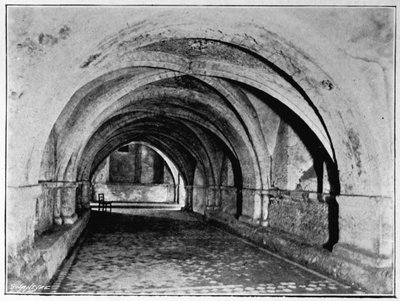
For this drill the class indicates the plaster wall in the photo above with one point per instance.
(148, 168)
(122, 168)
(131, 193)
(367, 223)
(137, 165)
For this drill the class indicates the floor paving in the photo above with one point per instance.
(160, 252)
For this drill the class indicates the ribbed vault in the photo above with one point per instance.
(278, 121)
(188, 98)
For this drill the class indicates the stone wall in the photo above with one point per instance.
(199, 199)
(298, 99)
(352, 266)
(123, 168)
(38, 263)
(134, 173)
(131, 193)
(366, 223)
(136, 163)
(351, 139)
(299, 214)
(44, 210)
(229, 200)
(348, 237)
(20, 227)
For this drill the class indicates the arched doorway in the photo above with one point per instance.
(138, 173)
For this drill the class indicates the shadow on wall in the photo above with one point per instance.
(319, 157)
(296, 144)
(333, 223)
(238, 183)
(311, 142)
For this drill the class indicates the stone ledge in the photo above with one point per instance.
(374, 280)
(55, 248)
(25, 268)
(39, 263)
(352, 253)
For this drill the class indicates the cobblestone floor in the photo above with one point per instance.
(172, 253)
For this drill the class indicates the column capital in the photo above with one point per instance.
(68, 204)
(69, 220)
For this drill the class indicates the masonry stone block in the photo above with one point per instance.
(303, 217)
(251, 210)
(68, 203)
(124, 192)
(44, 210)
(366, 223)
(199, 199)
(21, 210)
(229, 200)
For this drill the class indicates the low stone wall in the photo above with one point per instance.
(302, 214)
(223, 196)
(377, 280)
(152, 193)
(36, 264)
(356, 231)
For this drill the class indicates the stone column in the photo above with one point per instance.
(213, 197)
(78, 197)
(251, 206)
(209, 198)
(218, 195)
(86, 194)
(57, 207)
(68, 204)
(189, 197)
(64, 209)
(264, 207)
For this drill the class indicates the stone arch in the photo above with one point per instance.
(142, 65)
(340, 87)
(87, 119)
(282, 73)
(120, 135)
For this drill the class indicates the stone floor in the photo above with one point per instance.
(172, 253)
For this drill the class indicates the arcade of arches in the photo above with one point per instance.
(277, 127)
